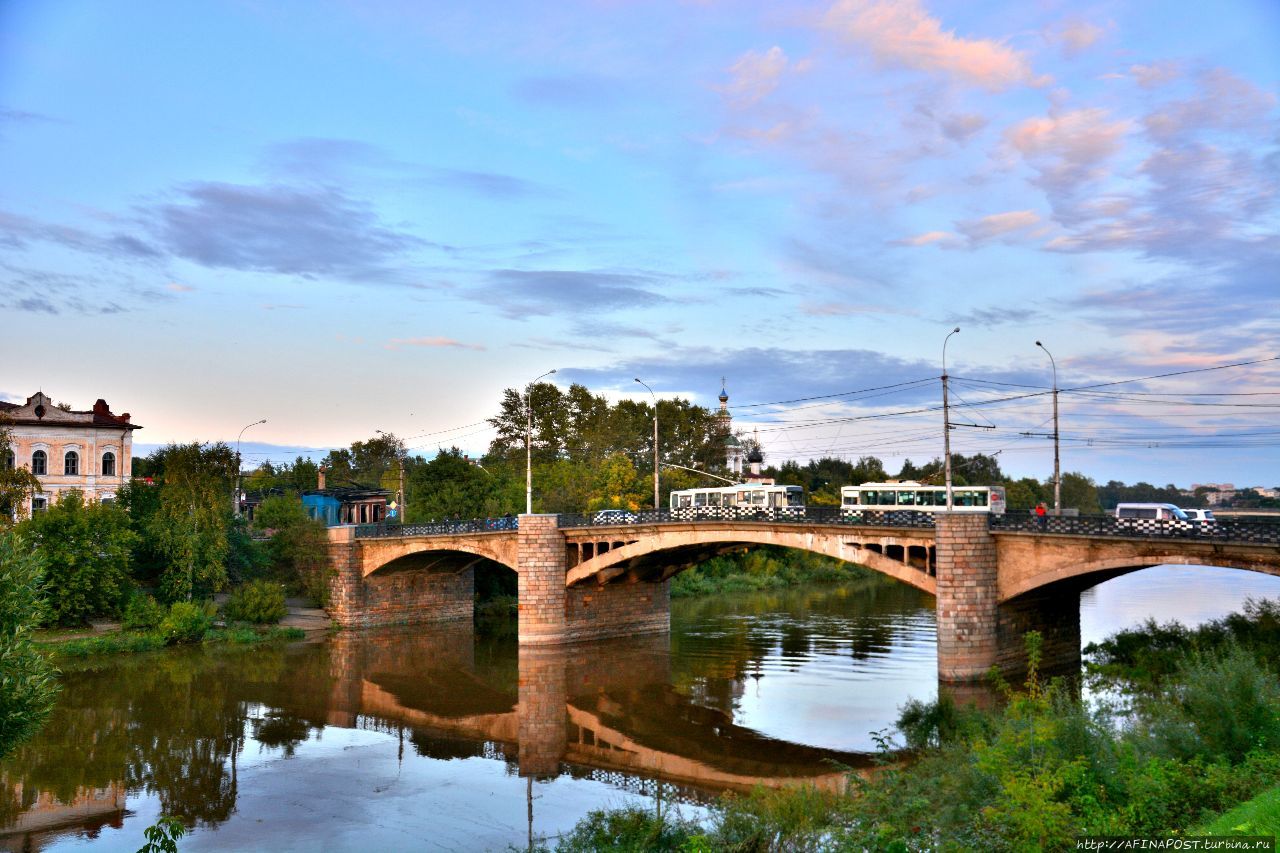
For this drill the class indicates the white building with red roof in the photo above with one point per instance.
(66, 449)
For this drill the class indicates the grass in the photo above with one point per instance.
(133, 642)
(1259, 816)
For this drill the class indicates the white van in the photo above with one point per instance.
(1150, 512)
(1204, 516)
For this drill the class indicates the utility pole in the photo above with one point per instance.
(946, 420)
(656, 505)
(403, 507)
(1057, 472)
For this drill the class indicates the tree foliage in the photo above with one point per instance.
(17, 484)
(298, 548)
(189, 527)
(27, 685)
(87, 548)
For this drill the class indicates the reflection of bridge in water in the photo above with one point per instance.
(604, 706)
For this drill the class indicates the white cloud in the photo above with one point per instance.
(755, 75)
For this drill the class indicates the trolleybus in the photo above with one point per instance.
(910, 495)
(730, 501)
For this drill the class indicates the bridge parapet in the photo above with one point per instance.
(1250, 531)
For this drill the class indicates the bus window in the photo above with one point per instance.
(700, 499)
(871, 498)
(906, 498)
(925, 497)
(713, 499)
(979, 498)
(775, 500)
(851, 499)
(795, 498)
(757, 498)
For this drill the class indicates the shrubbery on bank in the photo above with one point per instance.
(762, 569)
(1160, 755)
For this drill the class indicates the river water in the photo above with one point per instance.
(439, 738)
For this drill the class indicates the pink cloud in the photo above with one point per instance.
(1069, 148)
(179, 288)
(945, 239)
(997, 225)
(1154, 75)
(755, 75)
(1223, 102)
(397, 343)
(1077, 36)
(903, 34)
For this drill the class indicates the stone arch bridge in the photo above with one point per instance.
(994, 577)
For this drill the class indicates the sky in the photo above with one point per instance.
(345, 217)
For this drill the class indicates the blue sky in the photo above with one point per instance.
(345, 217)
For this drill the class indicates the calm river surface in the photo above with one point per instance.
(438, 738)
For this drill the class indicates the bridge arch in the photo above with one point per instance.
(1090, 573)
(906, 558)
(442, 554)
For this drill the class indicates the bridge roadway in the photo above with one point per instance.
(994, 577)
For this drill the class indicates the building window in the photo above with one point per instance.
(9, 460)
(108, 464)
(39, 463)
(39, 504)
(71, 463)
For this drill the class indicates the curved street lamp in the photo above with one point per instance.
(946, 421)
(528, 445)
(655, 444)
(1057, 476)
(235, 500)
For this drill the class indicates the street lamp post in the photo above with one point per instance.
(528, 445)
(1057, 474)
(235, 499)
(946, 421)
(655, 444)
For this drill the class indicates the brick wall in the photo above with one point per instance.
(1054, 611)
(541, 588)
(967, 594)
(597, 612)
(392, 597)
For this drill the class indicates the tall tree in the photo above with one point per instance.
(191, 522)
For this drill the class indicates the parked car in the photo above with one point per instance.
(614, 516)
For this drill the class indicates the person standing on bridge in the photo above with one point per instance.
(1042, 513)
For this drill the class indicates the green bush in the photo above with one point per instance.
(186, 622)
(260, 602)
(142, 613)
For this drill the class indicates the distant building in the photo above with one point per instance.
(352, 504)
(91, 451)
(733, 452)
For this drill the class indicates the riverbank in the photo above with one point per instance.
(761, 569)
(1195, 733)
(110, 638)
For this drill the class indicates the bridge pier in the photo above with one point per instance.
(967, 596)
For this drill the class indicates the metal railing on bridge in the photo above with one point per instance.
(438, 528)
(1251, 531)
(768, 515)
